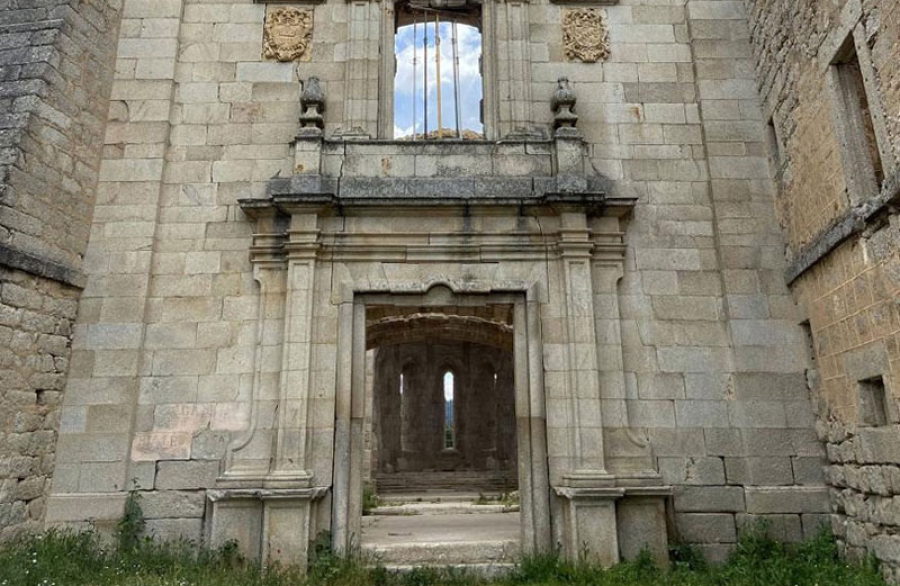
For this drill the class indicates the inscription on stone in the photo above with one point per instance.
(288, 34)
(585, 35)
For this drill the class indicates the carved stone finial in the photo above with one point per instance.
(585, 35)
(313, 102)
(563, 102)
(288, 34)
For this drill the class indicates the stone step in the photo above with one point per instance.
(427, 496)
(442, 508)
(428, 480)
(441, 540)
(436, 553)
(489, 570)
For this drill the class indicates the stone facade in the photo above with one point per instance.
(219, 353)
(837, 172)
(239, 277)
(55, 78)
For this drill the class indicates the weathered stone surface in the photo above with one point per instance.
(707, 528)
(212, 341)
(709, 499)
(33, 363)
(172, 504)
(832, 208)
(55, 77)
(788, 500)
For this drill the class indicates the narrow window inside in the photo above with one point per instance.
(404, 415)
(858, 121)
(872, 402)
(812, 370)
(449, 415)
(438, 83)
(774, 147)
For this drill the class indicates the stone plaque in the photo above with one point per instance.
(288, 34)
(585, 35)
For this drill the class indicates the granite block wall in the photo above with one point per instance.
(714, 364)
(841, 231)
(55, 76)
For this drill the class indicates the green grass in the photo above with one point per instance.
(69, 559)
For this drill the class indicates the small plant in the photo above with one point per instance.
(130, 527)
(510, 499)
(685, 556)
(507, 499)
(369, 499)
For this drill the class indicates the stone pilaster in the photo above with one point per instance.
(513, 74)
(361, 70)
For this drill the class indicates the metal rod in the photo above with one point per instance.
(415, 71)
(425, 77)
(437, 61)
(456, 79)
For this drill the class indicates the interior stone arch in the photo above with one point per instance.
(423, 346)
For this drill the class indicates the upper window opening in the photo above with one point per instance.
(857, 122)
(438, 90)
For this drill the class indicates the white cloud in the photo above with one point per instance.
(470, 85)
(401, 132)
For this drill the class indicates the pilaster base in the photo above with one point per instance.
(605, 523)
(269, 525)
(641, 517)
(590, 524)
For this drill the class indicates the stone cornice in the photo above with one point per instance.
(592, 203)
(40, 267)
(853, 221)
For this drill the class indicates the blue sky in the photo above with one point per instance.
(469, 79)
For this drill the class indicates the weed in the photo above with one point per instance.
(131, 525)
(685, 556)
(369, 499)
(69, 559)
(507, 499)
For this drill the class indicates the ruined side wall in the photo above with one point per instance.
(843, 244)
(55, 74)
(36, 317)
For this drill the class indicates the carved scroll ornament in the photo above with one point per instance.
(585, 35)
(288, 34)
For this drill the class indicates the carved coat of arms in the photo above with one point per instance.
(585, 35)
(288, 34)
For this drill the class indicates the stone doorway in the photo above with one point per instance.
(440, 435)
(328, 264)
(424, 449)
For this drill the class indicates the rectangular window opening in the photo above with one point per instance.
(857, 119)
(873, 402)
(438, 88)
